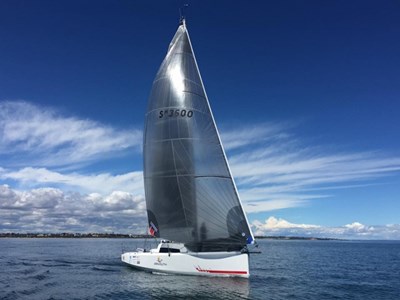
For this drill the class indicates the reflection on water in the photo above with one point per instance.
(159, 286)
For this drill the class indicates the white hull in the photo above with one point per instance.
(226, 264)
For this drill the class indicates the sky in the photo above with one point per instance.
(305, 94)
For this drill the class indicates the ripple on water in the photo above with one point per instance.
(90, 269)
(105, 269)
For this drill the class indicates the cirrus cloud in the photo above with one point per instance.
(45, 137)
(279, 172)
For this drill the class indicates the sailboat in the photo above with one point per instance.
(192, 201)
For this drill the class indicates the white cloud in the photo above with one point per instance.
(280, 227)
(44, 137)
(356, 226)
(102, 183)
(39, 147)
(52, 210)
(273, 223)
(116, 201)
(34, 141)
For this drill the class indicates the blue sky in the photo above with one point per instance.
(305, 94)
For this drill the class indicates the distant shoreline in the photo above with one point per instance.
(74, 235)
(134, 236)
(280, 237)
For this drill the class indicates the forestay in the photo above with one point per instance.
(190, 194)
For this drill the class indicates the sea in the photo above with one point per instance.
(56, 268)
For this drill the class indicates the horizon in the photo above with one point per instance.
(305, 97)
(148, 236)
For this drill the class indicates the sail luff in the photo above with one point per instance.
(216, 128)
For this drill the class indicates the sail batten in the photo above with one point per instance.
(191, 196)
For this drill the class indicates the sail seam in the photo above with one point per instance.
(187, 175)
(176, 139)
(166, 77)
(179, 186)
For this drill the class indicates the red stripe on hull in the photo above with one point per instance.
(221, 271)
(226, 272)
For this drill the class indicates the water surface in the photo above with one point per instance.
(91, 269)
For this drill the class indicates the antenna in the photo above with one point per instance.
(182, 16)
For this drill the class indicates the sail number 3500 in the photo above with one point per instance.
(175, 113)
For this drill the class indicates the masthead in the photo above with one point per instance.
(182, 17)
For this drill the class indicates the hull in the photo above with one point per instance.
(223, 264)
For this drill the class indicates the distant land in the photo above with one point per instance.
(308, 238)
(131, 236)
(73, 235)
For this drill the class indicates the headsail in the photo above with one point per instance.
(190, 194)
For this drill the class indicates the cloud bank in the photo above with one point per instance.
(280, 227)
(39, 147)
(53, 210)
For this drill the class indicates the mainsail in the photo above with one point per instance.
(190, 194)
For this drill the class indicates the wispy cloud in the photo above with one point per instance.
(45, 137)
(253, 135)
(280, 227)
(101, 183)
(280, 172)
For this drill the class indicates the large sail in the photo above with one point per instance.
(190, 194)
